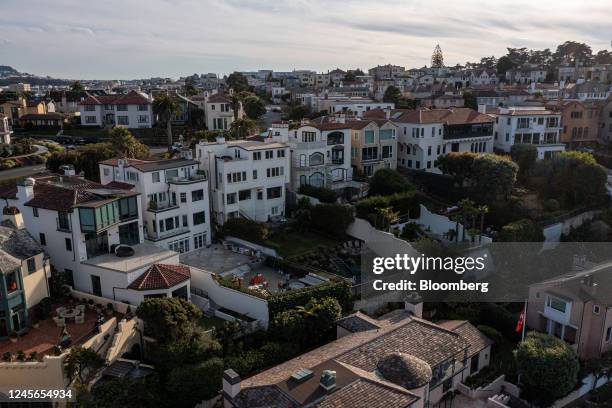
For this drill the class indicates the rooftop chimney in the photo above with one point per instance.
(231, 387)
(413, 304)
(328, 380)
(13, 215)
(25, 189)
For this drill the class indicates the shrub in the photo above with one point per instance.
(341, 291)
(324, 195)
(551, 205)
(387, 182)
(332, 219)
(245, 229)
(403, 203)
(491, 333)
(524, 230)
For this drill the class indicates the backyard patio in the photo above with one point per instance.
(80, 326)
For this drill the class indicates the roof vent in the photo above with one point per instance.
(328, 380)
(302, 375)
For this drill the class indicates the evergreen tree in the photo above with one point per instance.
(437, 59)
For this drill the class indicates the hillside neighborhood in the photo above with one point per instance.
(206, 241)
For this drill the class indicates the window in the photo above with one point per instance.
(170, 174)
(280, 153)
(309, 137)
(132, 176)
(183, 197)
(106, 171)
(523, 123)
(63, 221)
(68, 242)
(269, 154)
(143, 107)
(155, 176)
(90, 108)
(231, 198)
(274, 171)
(556, 303)
(143, 118)
(387, 152)
(429, 150)
(123, 120)
(199, 240)
(274, 192)
(369, 137)
(11, 282)
(31, 265)
(35, 211)
(42, 239)
(169, 224)
(256, 155)
(596, 309)
(185, 221)
(90, 119)
(369, 153)
(197, 195)
(200, 217)
(244, 195)
(121, 107)
(254, 174)
(180, 246)
(237, 177)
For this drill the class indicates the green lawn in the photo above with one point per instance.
(293, 243)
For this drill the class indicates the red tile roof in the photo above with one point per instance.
(452, 116)
(131, 98)
(219, 98)
(119, 185)
(374, 114)
(161, 276)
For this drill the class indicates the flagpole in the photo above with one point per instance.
(524, 322)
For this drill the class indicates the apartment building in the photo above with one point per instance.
(398, 360)
(24, 273)
(174, 199)
(529, 125)
(320, 153)
(386, 71)
(356, 106)
(580, 120)
(248, 178)
(219, 112)
(589, 90)
(426, 134)
(373, 145)
(605, 126)
(94, 235)
(132, 110)
(576, 308)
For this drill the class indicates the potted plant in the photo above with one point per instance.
(7, 357)
(90, 304)
(14, 337)
(110, 309)
(57, 350)
(33, 356)
(21, 355)
(35, 323)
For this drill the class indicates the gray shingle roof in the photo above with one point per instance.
(15, 246)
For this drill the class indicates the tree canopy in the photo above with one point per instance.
(254, 107)
(237, 82)
(126, 145)
(548, 366)
(525, 156)
(167, 318)
(388, 181)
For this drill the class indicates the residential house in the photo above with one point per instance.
(373, 145)
(5, 130)
(42, 120)
(399, 360)
(587, 90)
(580, 120)
(357, 106)
(68, 101)
(24, 273)
(219, 112)
(426, 134)
(337, 75)
(320, 153)
(386, 71)
(248, 178)
(174, 199)
(576, 308)
(133, 110)
(529, 125)
(526, 75)
(93, 235)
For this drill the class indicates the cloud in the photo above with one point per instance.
(141, 38)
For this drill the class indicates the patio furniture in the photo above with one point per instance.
(69, 313)
(80, 308)
(59, 321)
(60, 310)
(80, 318)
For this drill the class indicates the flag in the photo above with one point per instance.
(521, 321)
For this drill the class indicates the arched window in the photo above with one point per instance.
(317, 180)
(335, 138)
(316, 159)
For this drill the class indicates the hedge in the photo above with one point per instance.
(324, 195)
(280, 302)
(404, 203)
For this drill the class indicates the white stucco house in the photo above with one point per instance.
(132, 110)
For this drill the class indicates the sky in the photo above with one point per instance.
(126, 39)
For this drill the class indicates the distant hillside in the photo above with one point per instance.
(7, 70)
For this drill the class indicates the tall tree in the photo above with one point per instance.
(165, 106)
(437, 58)
(392, 95)
(504, 64)
(77, 86)
(237, 82)
(254, 107)
(572, 52)
(82, 363)
(126, 145)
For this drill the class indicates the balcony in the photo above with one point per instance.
(159, 207)
(194, 178)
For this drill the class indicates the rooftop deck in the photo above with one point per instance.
(144, 254)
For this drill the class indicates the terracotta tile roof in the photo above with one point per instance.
(469, 332)
(358, 322)
(374, 114)
(152, 164)
(42, 116)
(363, 393)
(62, 194)
(451, 116)
(161, 276)
(219, 98)
(131, 98)
(119, 185)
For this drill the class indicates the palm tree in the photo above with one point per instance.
(165, 106)
(482, 210)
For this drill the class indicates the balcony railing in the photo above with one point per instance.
(194, 178)
(157, 236)
(157, 207)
